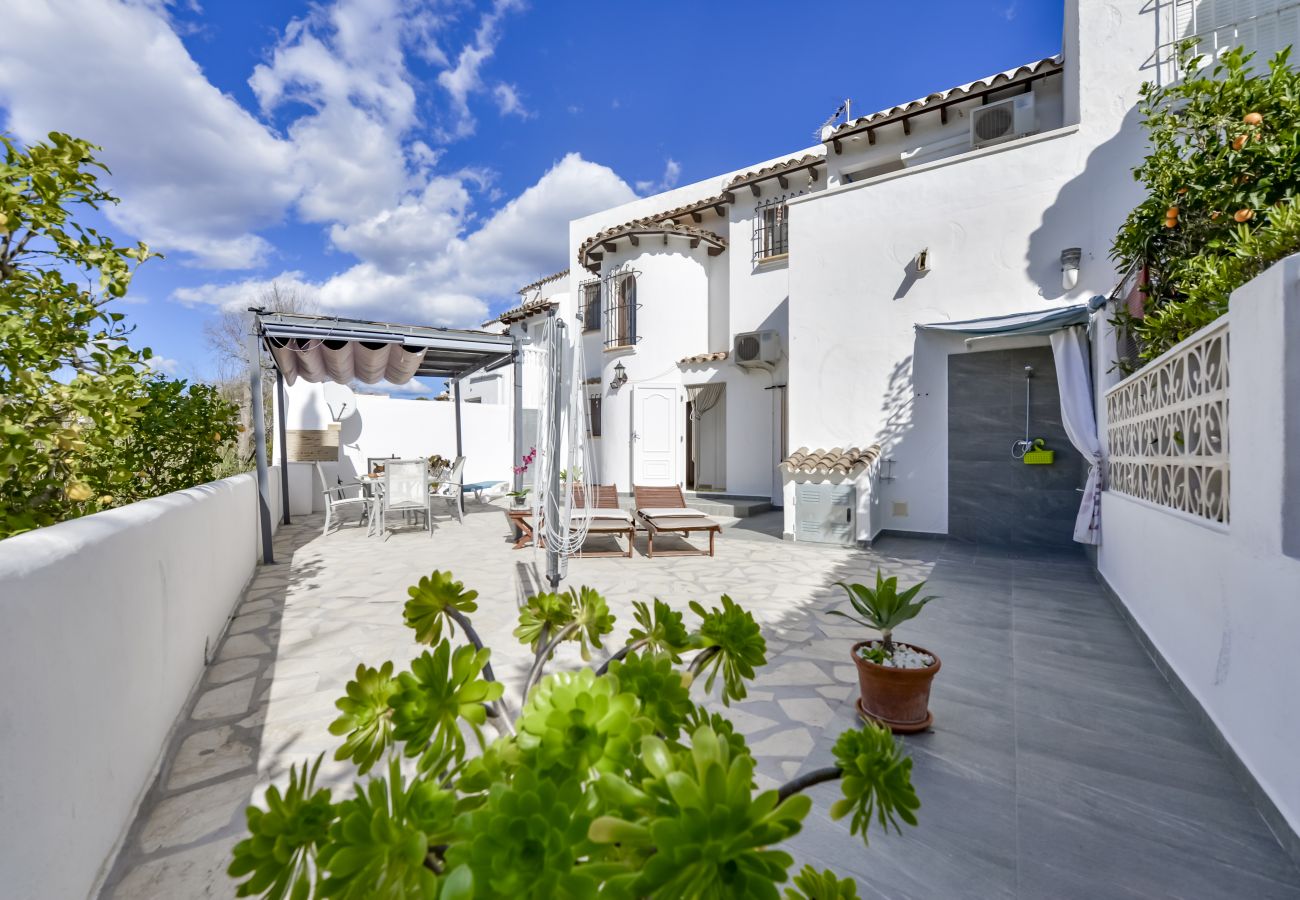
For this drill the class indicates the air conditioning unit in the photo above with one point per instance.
(757, 349)
(1004, 120)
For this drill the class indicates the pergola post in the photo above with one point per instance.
(259, 444)
(460, 450)
(518, 425)
(281, 402)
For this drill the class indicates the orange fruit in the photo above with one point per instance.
(1244, 215)
(1238, 142)
(1171, 223)
(1253, 118)
(1182, 190)
(78, 491)
(1171, 212)
(1214, 215)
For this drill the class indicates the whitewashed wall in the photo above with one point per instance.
(384, 426)
(104, 626)
(1222, 603)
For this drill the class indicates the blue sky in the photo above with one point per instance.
(418, 161)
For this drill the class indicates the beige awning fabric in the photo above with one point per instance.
(316, 361)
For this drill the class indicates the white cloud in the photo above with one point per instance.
(417, 266)
(508, 101)
(465, 79)
(672, 174)
(164, 364)
(197, 173)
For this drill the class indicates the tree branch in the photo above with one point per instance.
(702, 659)
(626, 649)
(540, 662)
(496, 711)
(807, 780)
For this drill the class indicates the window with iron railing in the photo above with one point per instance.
(593, 415)
(771, 230)
(590, 311)
(620, 310)
(1261, 26)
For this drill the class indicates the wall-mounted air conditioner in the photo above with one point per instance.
(757, 350)
(1004, 120)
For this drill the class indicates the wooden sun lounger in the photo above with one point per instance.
(649, 498)
(606, 497)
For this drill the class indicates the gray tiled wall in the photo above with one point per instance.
(994, 498)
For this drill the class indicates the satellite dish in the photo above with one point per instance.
(340, 400)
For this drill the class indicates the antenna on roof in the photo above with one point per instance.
(844, 109)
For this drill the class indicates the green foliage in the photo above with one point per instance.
(430, 599)
(877, 780)
(733, 646)
(179, 439)
(883, 607)
(378, 845)
(84, 426)
(441, 690)
(578, 614)
(607, 785)
(278, 854)
(704, 832)
(661, 628)
(1221, 187)
(810, 884)
(661, 689)
(525, 841)
(367, 718)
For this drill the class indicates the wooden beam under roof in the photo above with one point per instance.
(611, 246)
(636, 241)
(696, 217)
(754, 189)
(783, 181)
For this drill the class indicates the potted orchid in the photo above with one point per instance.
(521, 496)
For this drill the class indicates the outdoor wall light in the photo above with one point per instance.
(619, 379)
(1070, 268)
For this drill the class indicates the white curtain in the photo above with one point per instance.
(703, 398)
(1074, 378)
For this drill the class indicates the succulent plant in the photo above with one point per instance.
(611, 781)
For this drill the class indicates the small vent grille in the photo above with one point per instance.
(747, 348)
(994, 123)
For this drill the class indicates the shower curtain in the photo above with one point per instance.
(1074, 378)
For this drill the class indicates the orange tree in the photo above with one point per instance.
(84, 425)
(1221, 178)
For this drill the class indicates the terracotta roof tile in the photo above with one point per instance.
(1051, 63)
(519, 313)
(696, 360)
(694, 206)
(802, 162)
(837, 460)
(643, 227)
(541, 281)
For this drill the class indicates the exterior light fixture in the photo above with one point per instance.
(1070, 268)
(619, 379)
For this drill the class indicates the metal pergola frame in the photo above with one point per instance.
(448, 353)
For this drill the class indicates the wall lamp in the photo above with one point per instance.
(619, 379)
(1070, 268)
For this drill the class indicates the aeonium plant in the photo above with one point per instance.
(610, 781)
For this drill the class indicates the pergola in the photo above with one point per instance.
(331, 349)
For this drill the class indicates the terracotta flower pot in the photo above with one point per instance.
(898, 698)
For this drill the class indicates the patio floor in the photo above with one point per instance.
(1060, 764)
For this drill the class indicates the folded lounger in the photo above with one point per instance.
(604, 517)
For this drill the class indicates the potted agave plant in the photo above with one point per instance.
(894, 678)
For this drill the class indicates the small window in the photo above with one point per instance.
(771, 231)
(620, 311)
(591, 306)
(593, 415)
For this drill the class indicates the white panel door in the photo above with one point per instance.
(657, 412)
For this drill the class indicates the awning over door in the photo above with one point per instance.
(1043, 321)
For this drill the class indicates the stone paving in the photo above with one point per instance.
(1060, 764)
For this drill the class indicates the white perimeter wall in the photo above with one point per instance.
(1222, 605)
(384, 426)
(104, 625)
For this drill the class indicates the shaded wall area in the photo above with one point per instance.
(993, 497)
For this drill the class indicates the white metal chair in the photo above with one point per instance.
(337, 500)
(451, 486)
(406, 491)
